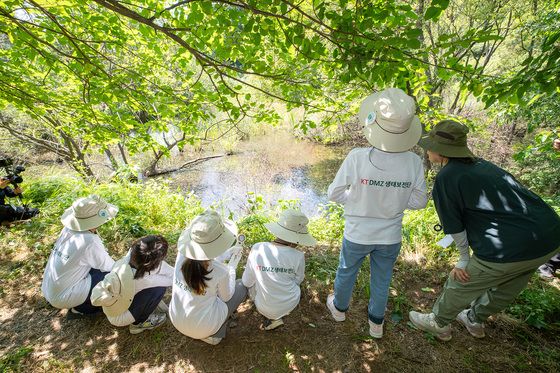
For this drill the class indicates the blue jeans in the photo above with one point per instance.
(381, 259)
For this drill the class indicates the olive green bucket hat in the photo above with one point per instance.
(447, 138)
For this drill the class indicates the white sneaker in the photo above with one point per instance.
(272, 324)
(375, 330)
(427, 322)
(336, 314)
(476, 329)
(212, 340)
(155, 320)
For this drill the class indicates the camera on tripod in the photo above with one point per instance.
(13, 175)
(9, 213)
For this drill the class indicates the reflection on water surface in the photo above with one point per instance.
(276, 166)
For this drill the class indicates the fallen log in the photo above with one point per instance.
(185, 165)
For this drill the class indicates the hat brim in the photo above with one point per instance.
(124, 272)
(392, 142)
(446, 150)
(197, 251)
(290, 236)
(70, 221)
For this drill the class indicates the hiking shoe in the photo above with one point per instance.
(476, 329)
(272, 324)
(375, 330)
(546, 272)
(336, 314)
(427, 322)
(212, 340)
(155, 320)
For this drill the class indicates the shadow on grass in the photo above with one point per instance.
(40, 338)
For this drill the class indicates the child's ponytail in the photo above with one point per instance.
(147, 254)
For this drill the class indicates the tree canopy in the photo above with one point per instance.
(109, 72)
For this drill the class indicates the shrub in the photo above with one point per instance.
(538, 305)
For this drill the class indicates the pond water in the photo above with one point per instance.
(276, 166)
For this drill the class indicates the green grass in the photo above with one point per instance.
(12, 362)
(538, 305)
(154, 207)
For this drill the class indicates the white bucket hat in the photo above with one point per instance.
(292, 227)
(389, 120)
(88, 213)
(207, 237)
(116, 291)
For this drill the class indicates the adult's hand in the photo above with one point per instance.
(460, 275)
(18, 190)
(556, 144)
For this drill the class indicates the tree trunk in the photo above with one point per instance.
(123, 153)
(112, 160)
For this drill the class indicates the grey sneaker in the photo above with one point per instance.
(155, 320)
(272, 324)
(212, 340)
(476, 329)
(162, 307)
(336, 314)
(427, 322)
(375, 330)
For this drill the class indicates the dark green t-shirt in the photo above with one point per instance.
(505, 222)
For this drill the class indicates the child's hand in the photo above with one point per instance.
(236, 253)
(460, 275)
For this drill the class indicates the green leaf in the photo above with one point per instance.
(413, 43)
(396, 317)
(432, 12)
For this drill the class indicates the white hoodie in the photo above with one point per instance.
(375, 188)
(273, 274)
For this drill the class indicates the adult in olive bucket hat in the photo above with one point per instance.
(376, 184)
(510, 230)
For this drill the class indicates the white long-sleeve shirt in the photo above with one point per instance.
(276, 272)
(66, 281)
(200, 316)
(375, 188)
(161, 277)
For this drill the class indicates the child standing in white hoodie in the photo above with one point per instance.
(376, 185)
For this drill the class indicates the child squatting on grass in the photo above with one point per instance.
(131, 294)
(79, 259)
(275, 270)
(205, 293)
(510, 230)
(376, 185)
